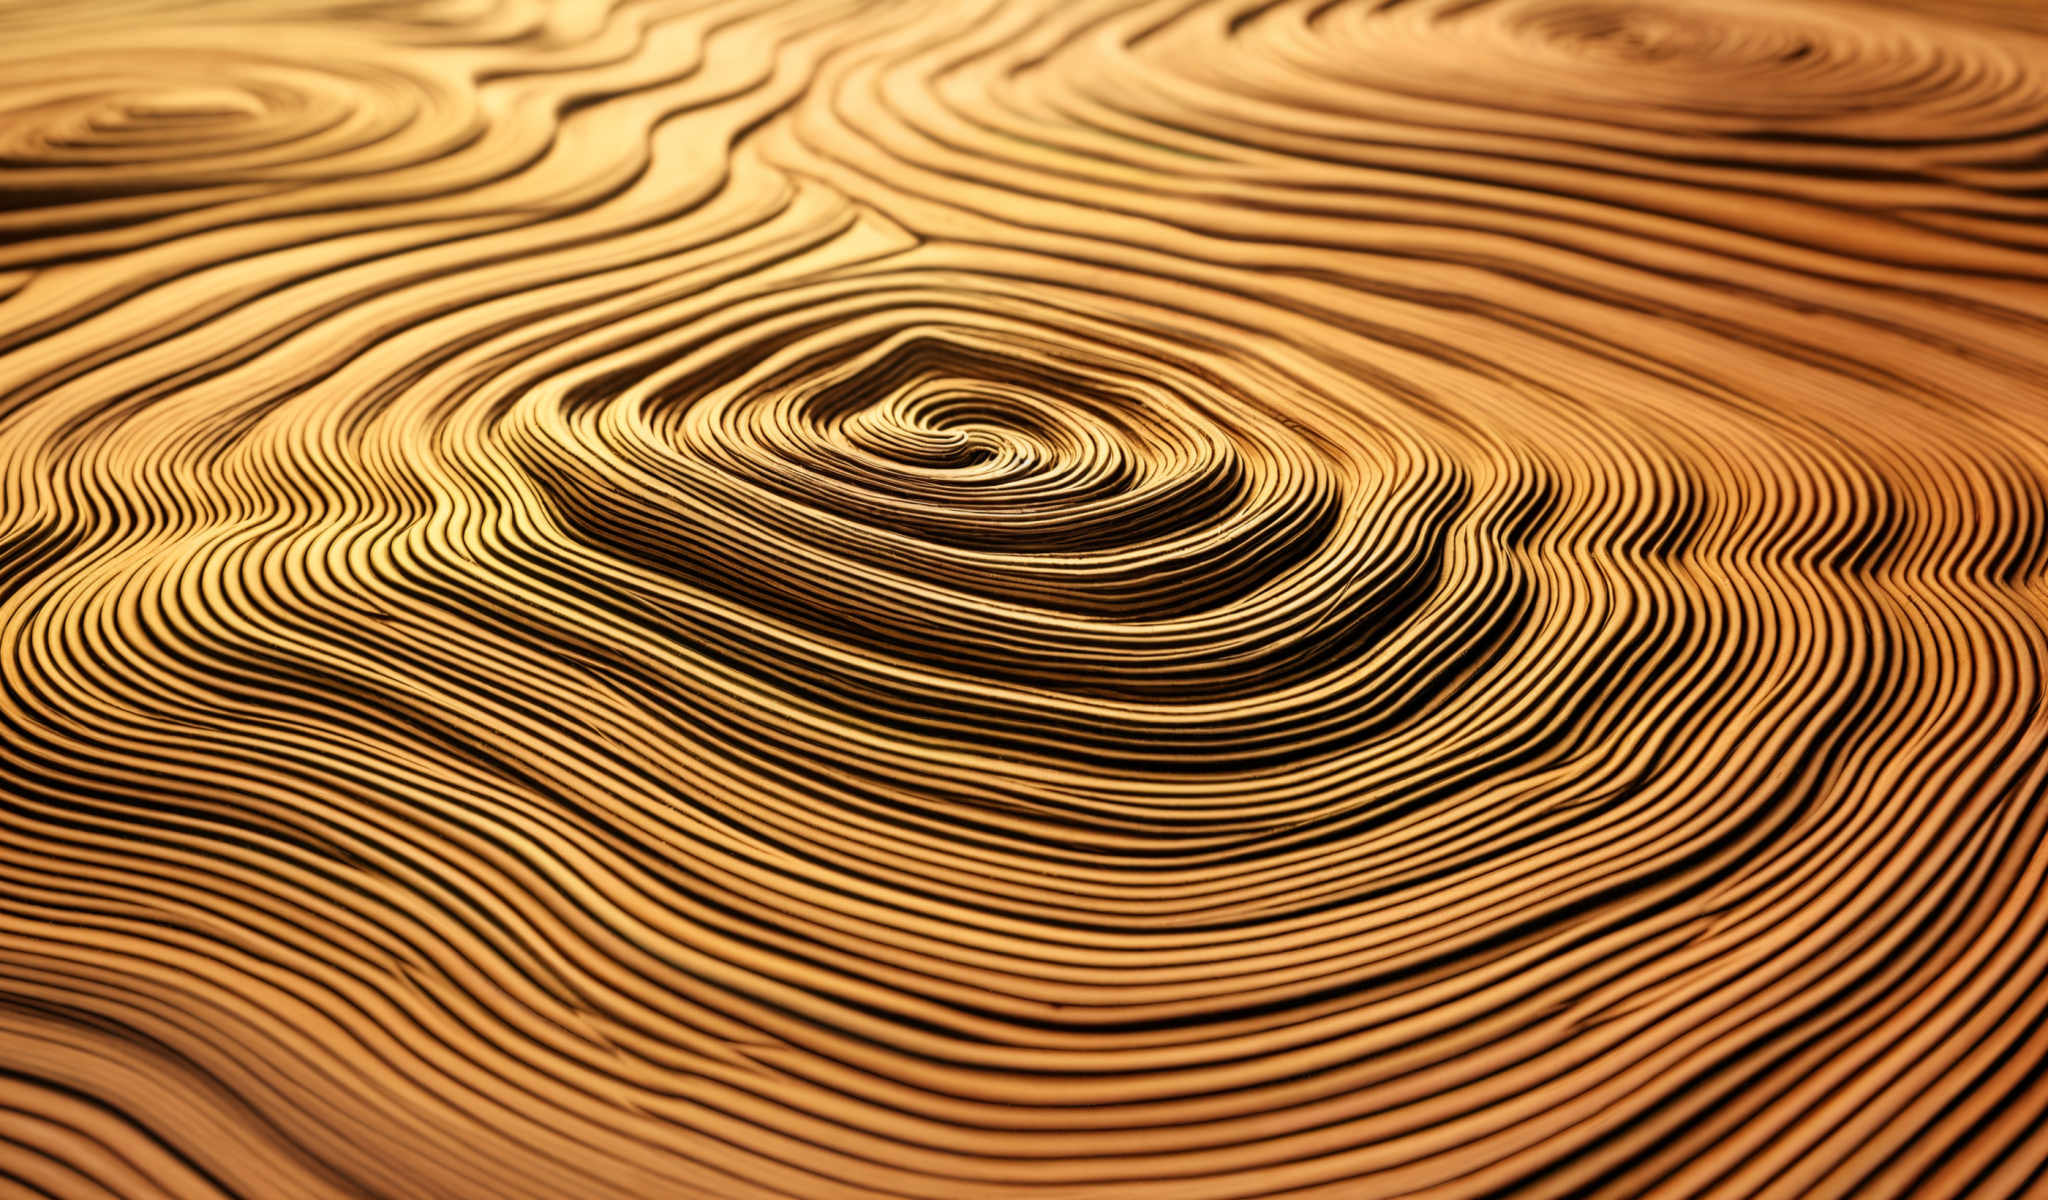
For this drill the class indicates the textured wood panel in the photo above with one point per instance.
(1023, 600)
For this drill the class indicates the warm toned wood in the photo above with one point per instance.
(968, 599)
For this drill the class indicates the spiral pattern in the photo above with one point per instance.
(193, 127)
(1181, 601)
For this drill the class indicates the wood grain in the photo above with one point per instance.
(1023, 600)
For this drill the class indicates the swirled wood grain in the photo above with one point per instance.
(1023, 600)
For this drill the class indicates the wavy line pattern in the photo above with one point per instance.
(1181, 600)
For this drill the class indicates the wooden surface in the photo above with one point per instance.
(1022, 600)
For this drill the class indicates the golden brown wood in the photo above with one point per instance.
(1022, 599)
